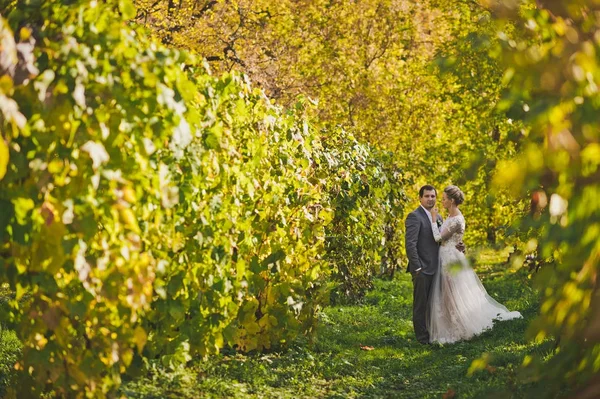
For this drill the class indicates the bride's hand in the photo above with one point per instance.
(434, 214)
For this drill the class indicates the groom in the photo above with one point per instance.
(422, 251)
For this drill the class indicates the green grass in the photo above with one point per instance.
(10, 348)
(335, 366)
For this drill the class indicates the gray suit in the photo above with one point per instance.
(423, 252)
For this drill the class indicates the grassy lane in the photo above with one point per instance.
(368, 350)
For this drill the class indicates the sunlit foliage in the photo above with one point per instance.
(151, 210)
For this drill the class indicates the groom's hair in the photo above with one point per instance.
(426, 187)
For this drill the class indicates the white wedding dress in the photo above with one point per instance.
(460, 307)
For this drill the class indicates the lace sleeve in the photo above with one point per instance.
(436, 232)
(451, 227)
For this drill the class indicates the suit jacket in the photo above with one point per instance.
(421, 248)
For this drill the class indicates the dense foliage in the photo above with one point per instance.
(376, 76)
(374, 67)
(554, 75)
(82, 198)
(152, 210)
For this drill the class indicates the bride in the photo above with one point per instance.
(460, 307)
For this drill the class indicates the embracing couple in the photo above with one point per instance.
(449, 302)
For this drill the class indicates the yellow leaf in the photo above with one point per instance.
(127, 357)
(129, 220)
(478, 364)
(4, 156)
(25, 34)
(22, 207)
(264, 321)
(41, 341)
(47, 251)
(20, 291)
(508, 174)
(218, 341)
(590, 156)
(252, 328)
(140, 338)
(129, 195)
(56, 166)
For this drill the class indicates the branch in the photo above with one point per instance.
(204, 9)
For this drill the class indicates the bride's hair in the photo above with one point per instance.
(455, 194)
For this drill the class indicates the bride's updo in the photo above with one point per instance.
(454, 193)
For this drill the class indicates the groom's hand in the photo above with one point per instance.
(461, 247)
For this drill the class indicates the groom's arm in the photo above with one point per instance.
(412, 227)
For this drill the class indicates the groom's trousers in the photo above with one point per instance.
(421, 290)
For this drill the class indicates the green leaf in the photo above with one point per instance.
(127, 9)
(176, 310)
(273, 258)
(5, 217)
(22, 206)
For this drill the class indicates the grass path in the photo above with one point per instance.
(336, 366)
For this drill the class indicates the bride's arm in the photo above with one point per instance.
(449, 229)
(434, 227)
(436, 232)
